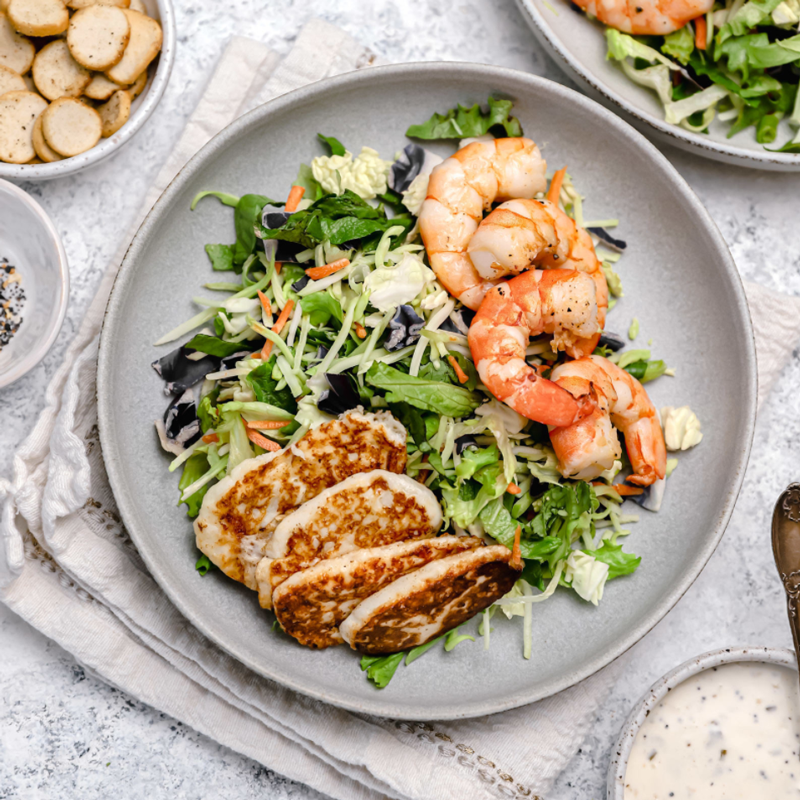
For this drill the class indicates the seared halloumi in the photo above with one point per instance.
(365, 510)
(240, 513)
(310, 605)
(425, 603)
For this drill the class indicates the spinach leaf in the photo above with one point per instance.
(195, 467)
(463, 122)
(224, 198)
(306, 179)
(265, 390)
(221, 256)
(441, 398)
(333, 218)
(246, 216)
(444, 372)
(214, 346)
(337, 148)
(321, 307)
(413, 421)
(619, 563)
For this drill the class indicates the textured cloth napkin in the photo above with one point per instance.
(68, 567)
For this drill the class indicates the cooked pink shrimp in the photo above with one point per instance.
(647, 17)
(557, 301)
(590, 446)
(459, 191)
(521, 234)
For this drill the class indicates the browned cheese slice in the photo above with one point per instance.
(430, 601)
(311, 604)
(365, 510)
(240, 513)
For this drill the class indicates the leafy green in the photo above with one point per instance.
(195, 467)
(747, 17)
(412, 420)
(306, 179)
(221, 256)
(454, 638)
(441, 398)
(320, 307)
(203, 564)
(333, 218)
(463, 122)
(265, 387)
(679, 44)
(499, 523)
(646, 371)
(245, 217)
(380, 669)
(473, 460)
(444, 372)
(213, 346)
(337, 148)
(224, 198)
(416, 652)
(207, 412)
(622, 46)
(619, 562)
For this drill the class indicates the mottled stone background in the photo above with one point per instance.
(64, 734)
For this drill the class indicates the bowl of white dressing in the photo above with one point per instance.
(723, 725)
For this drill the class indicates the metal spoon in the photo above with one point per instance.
(786, 549)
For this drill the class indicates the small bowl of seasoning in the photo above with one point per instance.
(34, 283)
(723, 725)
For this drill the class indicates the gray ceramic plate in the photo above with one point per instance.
(578, 46)
(679, 280)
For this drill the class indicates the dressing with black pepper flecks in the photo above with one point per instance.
(12, 301)
(726, 733)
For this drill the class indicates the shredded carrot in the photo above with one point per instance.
(278, 265)
(277, 328)
(266, 424)
(295, 196)
(315, 273)
(262, 442)
(361, 331)
(700, 33)
(555, 185)
(513, 488)
(265, 303)
(460, 374)
(210, 438)
(516, 555)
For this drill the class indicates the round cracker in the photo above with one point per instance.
(137, 87)
(143, 46)
(101, 88)
(38, 17)
(57, 74)
(138, 5)
(43, 150)
(78, 4)
(70, 127)
(115, 112)
(16, 50)
(97, 37)
(11, 81)
(18, 113)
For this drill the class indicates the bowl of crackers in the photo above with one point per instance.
(78, 79)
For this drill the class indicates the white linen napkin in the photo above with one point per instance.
(68, 567)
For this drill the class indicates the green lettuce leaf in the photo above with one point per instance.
(305, 178)
(207, 412)
(245, 218)
(221, 256)
(473, 460)
(619, 562)
(265, 388)
(463, 122)
(381, 669)
(441, 398)
(224, 198)
(195, 467)
(679, 44)
(321, 307)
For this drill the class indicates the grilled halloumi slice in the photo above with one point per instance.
(240, 513)
(425, 603)
(365, 510)
(311, 604)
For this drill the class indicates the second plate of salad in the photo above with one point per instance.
(719, 79)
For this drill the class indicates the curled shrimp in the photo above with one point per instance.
(460, 189)
(524, 233)
(646, 17)
(590, 446)
(557, 301)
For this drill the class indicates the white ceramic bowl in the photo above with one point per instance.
(578, 46)
(655, 694)
(29, 240)
(143, 106)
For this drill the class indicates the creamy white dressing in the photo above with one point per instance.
(725, 733)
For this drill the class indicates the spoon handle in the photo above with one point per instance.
(786, 548)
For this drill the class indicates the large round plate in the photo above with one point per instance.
(679, 280)
(578, 45)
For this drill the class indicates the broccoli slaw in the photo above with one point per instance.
(332, 306)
